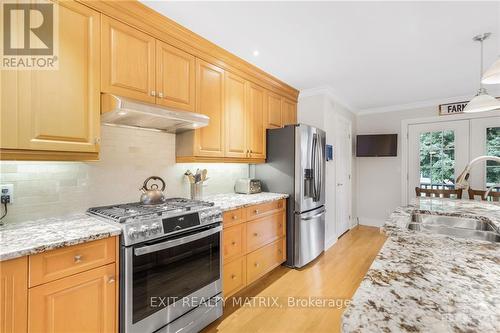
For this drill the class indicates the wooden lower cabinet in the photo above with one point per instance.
(68, 295)
(84, 302)
(234, 278)
(265, 259)
(14, 295)
(253, 244)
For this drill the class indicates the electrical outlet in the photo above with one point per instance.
(8, 189)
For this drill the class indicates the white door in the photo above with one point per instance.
(485, 140)
(343, 161)
(437, 154)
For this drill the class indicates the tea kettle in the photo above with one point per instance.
(152, 195)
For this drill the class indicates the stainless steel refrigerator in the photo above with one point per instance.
(296, 165)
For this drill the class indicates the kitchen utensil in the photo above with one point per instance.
(152, 195)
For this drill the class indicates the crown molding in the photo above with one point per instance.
(414, 105)
(329, 92)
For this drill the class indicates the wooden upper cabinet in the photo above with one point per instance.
(128, 61)
(273, 104)
(84, 302)
(209, 140)
(175, 77)
(14, 295)
(256, 121)
(288, 112)
(236, 116)
(58, 110)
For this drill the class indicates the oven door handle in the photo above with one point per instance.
(175, 242)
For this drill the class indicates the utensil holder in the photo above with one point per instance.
(197, 191)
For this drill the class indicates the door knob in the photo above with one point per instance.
(340, 184)
(78, 258)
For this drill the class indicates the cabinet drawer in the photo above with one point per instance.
(234, 241)
(264, 209)
(233, 217)
(265, 230)
(265, 259)
(234, 276)
(56, 264)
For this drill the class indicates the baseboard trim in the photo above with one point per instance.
(371, 222)
(330, 242)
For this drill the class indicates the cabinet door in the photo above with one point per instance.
(256, 121)
(128, 61)
(209, 140)
(175, 77)
(58, 110)
(288, 112)
(14, 295)
(273, 102)
(84, 302)
(236, 119)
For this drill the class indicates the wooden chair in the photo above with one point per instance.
(492, 196)
(436, 193)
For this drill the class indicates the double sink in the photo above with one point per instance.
(462, 227)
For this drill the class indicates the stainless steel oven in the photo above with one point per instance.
(172, 283)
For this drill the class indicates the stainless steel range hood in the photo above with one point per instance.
(122, 111)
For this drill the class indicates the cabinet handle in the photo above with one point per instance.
(256, 211)
(97, 141)
(78, 258)
(153, 93)
(233, 243)
(233, 276)
(256, 264)
(235, 217)
(255, 234)
(279, 251)
(160, 94)
(111, 280)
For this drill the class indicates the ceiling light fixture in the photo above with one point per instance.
(482, 101)
(492, 75)
(255, 53)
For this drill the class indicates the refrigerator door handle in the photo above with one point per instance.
(314, 216)
(320, 169)
(314, 166)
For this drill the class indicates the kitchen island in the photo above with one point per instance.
(425, 282)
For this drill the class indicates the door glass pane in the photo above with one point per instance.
(493, 149)
(173, 273)
(437, 159)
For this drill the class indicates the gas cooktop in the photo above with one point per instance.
(141, 223)
(123, 212)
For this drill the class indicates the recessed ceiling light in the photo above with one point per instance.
(256, 53)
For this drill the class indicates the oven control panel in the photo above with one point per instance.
(142, 229)
(149, 227)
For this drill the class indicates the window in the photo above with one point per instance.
(493, 149)
(437, 159)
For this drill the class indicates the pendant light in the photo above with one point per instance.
(482, 101)
(492, 75)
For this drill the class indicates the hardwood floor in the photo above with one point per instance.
(334, 276)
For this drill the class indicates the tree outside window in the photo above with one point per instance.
(437, 159)
(493, 149)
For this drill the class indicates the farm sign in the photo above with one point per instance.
(452, 108)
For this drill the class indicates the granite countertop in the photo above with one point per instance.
(423, 282)
(30, 237)
(229, 201)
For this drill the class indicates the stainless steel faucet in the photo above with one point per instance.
(463, 180)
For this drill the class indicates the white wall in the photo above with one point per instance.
(379, 178)
(127, 158)
(319, 110)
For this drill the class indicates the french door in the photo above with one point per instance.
(437, 154)
(439, 151)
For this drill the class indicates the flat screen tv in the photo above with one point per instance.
(374, 145)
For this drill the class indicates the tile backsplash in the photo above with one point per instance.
(127, 157)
